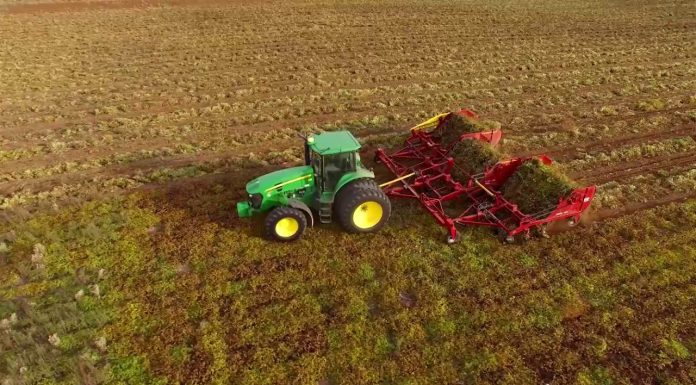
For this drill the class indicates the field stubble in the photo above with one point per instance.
(122, 154)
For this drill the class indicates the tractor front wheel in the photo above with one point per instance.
(285, 224)
(362, 207)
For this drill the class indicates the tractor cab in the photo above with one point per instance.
(332, 155)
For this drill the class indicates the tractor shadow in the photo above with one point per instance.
(212, 198)
(203, 199)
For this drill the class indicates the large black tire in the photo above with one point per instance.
(362, 207)
(362, 183)
(285, 224)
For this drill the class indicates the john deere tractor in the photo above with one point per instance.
(332, 184)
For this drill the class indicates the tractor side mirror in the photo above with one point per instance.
(307, 157)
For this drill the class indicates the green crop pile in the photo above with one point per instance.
(455, 126)
(472, 157)
(535, 186)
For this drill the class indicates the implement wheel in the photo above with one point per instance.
(450, 240)
(362, 207)
(504, 237)
(285, 224)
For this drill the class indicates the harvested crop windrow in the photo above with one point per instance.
(472, 157)
(457, 125)
(536, 187)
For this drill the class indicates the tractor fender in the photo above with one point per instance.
(297, 204)
(351, 176)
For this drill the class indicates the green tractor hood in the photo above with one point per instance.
(267, 191)
(268, 181)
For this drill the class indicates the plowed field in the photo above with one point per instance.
(128, 129)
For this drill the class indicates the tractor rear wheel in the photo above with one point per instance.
(285, 224)
(362, 207)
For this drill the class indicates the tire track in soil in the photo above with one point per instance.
(541, 128)
(601, 215)
(188, 160)
(249, 172)
(639, 167)
(324, 118)
(567, 152)
(182, 160)
(129, 169)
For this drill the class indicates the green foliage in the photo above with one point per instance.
(192, 299)
(534, 187)
(181, 354)
(190, 294)
(214, 344)
(528, 260)
(132, 371)
(61, 299)
(367, 273)
(472, 157)
(87, 303)
(674, 349)
(651, 105)
(595, 376)
(455, 126)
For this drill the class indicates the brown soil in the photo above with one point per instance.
(78, 6)
(570, 150)
(638, 167)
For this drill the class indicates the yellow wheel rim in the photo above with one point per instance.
(287, 227)
(367, 215)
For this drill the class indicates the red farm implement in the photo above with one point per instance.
(423, 169)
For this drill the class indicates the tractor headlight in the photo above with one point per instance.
(255, 200)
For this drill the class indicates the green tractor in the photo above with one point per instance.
(332, 182)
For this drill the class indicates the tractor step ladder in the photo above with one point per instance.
(325, 210)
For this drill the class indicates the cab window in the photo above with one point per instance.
(335, 166)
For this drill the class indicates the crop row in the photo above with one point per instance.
(650, 185)
(645, 188)
(186, 124)
(378, 132)
(255, 43)
(626, 154)
(592, 134)
(372, 131)
(102, 185)
(196, 91)
(355, 76)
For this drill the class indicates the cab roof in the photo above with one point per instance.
(335, 142)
